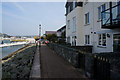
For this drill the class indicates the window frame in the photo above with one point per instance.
(99, 13)
(68, 9)
(74, 24)
(100, 9)
(87, 18)
(68, 21)
(101, 40)
(103, 9)
(87, 39)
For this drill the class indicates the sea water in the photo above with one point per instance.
(5, 51)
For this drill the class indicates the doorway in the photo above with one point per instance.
(116, 43)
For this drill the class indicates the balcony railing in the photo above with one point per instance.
(111, 17)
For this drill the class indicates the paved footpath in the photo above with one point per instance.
(54, 66)
(35, 72)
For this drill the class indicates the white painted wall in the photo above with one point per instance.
(79, 23)
(95, 26)
(92, 29)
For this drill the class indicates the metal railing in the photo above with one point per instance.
(111, 16)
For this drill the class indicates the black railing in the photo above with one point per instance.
(111, 17)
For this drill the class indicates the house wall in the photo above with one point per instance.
(97, 28)
(88, 28)
(79, 27)
(94, 28)
(70, 16)
(75, 13)
(58, 33)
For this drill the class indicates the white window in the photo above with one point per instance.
(68, 9)
(99, 13)
(74, 41)
(74, 24)
(100, 9)
(68, 24)
(87, 39)
(102, 40)
(103, 9)
(74, 4)
(87, 18)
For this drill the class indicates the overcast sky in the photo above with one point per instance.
(23, 18)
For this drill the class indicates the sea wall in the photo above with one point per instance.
(20, 65)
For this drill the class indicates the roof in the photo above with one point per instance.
(64, 27)
(50, 32)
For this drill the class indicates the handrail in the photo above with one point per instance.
(109, 8)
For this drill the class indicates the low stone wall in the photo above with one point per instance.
(20, 65)
(87, 49)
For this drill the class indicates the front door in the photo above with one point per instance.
(116, 43)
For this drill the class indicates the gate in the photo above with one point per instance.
(81, 61)
(101, 68)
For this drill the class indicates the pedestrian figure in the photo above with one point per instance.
(2, 42)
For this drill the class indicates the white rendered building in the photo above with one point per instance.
(97, 24)
(74, 14)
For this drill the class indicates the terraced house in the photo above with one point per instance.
(94, 24)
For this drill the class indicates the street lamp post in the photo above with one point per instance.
(40, 34)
